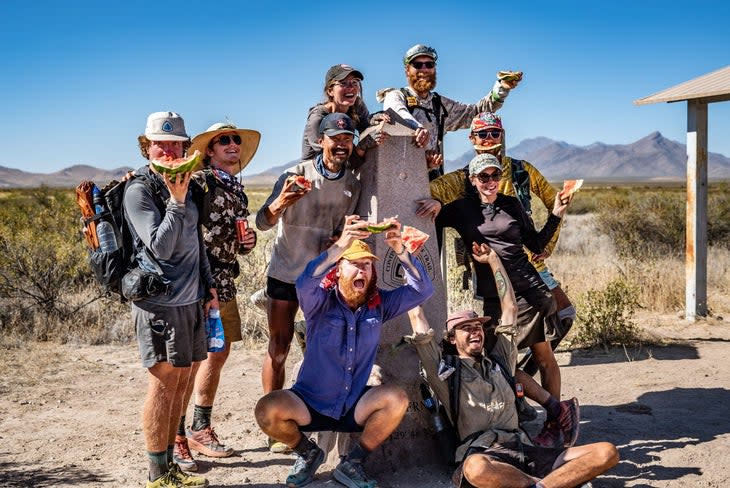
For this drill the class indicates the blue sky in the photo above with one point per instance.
(77, 79)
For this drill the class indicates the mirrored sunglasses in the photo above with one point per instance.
(488, 133)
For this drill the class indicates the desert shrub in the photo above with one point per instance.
(604, 316)
(41, 257)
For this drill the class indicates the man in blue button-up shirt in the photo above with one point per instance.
(344, 312)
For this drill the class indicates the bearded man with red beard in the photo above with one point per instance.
(431, 114)
(344, 312)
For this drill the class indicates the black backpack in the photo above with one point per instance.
(110, 268)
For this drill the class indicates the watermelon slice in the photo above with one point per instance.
(376, 228)
(413, 238)
(569, 187)
(300, 183)
(174, 167)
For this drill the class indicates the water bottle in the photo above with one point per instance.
(214, 331)
(430, 403)
(104, 230)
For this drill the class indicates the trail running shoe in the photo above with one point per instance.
(206, 442)
(549, 436)
(302, 473)
(569, 421)
(278, 447)
(352, 475)
(186, 480)
(167, 480)
(181, 454)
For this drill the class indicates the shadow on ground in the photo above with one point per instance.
(581, 357)
(654, 415)
(16, 475)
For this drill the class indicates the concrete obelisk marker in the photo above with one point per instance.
(393, 177)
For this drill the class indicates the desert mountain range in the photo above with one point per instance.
(653, 157)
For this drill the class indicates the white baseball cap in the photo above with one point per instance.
(165, 126)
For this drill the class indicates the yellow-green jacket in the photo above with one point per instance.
(452, 186)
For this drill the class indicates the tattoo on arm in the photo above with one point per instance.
(501, 284)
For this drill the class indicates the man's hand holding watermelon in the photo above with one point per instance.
(292, 191)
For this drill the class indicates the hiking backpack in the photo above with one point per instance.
(440, 114)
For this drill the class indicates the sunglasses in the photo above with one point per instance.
(348, 83)
(487, 177)
(423, 64)
(486, 133)
(226, 139)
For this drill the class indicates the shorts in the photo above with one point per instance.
(280, 290)
(533, 460)
(173, 334)
(549, 279)
(231, 321)
(321, 422)
(536, 317)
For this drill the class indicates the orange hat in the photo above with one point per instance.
(357, 250)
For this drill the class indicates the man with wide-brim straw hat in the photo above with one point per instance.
(248, 142)
(226, 150)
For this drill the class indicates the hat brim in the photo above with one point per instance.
(249, 143)
(165, 137)
(335, 132)
(345, 74)
(481, 320)
(359, 255)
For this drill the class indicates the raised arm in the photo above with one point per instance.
(486, 255)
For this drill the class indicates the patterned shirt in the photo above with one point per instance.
(225, 201)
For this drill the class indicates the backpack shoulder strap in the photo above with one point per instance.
(440, 113)
(411, 101)
(521, 182)
(454, 381)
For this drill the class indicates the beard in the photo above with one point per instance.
(422, 82)
(355, 297)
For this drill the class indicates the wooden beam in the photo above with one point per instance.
(696, 241)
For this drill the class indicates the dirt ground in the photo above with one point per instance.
(69, 415)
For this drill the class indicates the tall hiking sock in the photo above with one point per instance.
(170, 453)
(304, 446)
(181, 427)
(158, 464)
(552, 408)
(201, 417)
(358, 454)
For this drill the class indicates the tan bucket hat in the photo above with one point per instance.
(249, 140)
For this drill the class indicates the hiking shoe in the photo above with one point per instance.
(549, 436)
(569, 421)
(167, 480)
(260, 299)
(278, 447)
(181, 454)
(206, 442)
(302, 473)
(351, 474)
(186, 480)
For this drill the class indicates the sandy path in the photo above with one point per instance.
(69, 416)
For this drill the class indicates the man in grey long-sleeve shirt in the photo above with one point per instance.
(163, 220)
(424, 109)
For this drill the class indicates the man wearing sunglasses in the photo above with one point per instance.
(430, 114)
(309, 219)
(226, 151)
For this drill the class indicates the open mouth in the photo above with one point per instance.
(358, 284)
(340, 152)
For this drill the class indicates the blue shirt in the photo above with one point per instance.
(342, 343)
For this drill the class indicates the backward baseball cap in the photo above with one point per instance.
(419, 50)
(165, 126)
(336, 123)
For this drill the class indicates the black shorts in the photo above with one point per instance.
(323, 423)
(534, 460)
(280, 290)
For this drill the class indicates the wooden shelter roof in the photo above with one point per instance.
(712, 87)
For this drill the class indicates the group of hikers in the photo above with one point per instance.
(187, 229)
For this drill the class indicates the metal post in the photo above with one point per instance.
(696, 242)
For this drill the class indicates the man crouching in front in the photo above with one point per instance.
(344, 311)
